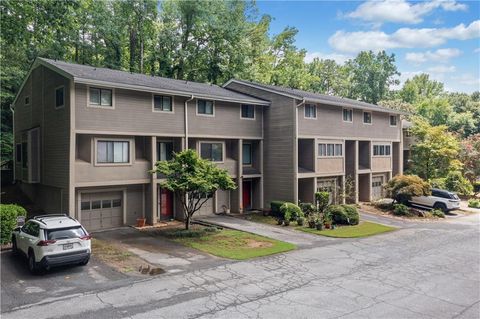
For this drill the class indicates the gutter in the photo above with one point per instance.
(186, 119)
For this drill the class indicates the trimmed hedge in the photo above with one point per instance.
(275, 208)
(8, 220)
(343, 214)
(290, 211)
(400, 210)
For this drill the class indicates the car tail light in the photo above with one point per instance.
(46, 242)
(87, 237)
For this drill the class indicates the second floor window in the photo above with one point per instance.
(164, 151)
(162, 103)
(329, 150)
(248, 111)
(100, 97)
(310, 111)
(393, 120)
(381, 150)
(205, 107)
(113, 152)
(247, 154)
(59, 97)
(367, 117)
(347, 115)
(212, 151)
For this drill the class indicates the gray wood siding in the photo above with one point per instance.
(54, 133)
(226, 122)
(279, 146)
(132, 113)
(329, 123)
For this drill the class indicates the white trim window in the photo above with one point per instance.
(348, 115)
(247, 111)
(113, 152)
(205, 107)
(330, 150)
(381, 150)
(212, 151)
(164, 151)
(100, 97)
(162, 103)
(393, 120)
(310, 111)
(59, 97)
(367, 117)
(247, 154)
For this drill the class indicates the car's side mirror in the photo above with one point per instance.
(18, 228)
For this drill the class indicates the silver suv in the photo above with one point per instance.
(440, 199)
(52, 240)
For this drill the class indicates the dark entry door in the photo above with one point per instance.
(247, 195)
(166, 204)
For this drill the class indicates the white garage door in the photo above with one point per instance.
(377, 190)
(101, 210)
(207, 208)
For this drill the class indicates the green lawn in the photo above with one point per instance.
(363, 229)
(236, 244)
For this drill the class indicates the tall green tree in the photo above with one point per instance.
(420, 87)
(329, 77)
(371, 75)
(435, 152)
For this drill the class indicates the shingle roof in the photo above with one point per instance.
(317, 97)
(85, 73)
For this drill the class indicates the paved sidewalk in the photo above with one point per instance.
(302, 240)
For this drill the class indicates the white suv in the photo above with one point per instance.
(440, 199)
(52, 240)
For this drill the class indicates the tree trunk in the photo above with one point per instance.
(187, 222)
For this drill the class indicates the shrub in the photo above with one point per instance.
(307, 208)
(474, 203)
(300, 221)
(455, 182)
(322, 199)
(383, 204)
(437, 213)
(8, 220)
(476, 187)
(290, 211)
(438, 183)
(400, 210)
(351, 211)
(337, 214)
(275, 207)
(402, 188)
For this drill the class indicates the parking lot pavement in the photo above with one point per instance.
(19, 287)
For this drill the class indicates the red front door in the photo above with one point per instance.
(247, 195)
(166, 204)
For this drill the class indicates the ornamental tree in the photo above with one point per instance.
(402, 188)
(193, 180)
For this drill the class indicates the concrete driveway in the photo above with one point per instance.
(20, 288)
(159, 251)
(429, 270)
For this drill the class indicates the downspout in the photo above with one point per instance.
(186, 120)
(295, 155)
(14, 147)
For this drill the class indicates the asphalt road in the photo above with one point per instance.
(425, 270)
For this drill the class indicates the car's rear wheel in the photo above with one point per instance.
(85, 262)
(32, 264)
(440, 206)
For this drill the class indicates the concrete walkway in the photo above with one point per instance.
(302, 240)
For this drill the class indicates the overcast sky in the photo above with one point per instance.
(441, 38)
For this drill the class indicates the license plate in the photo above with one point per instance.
(67, 246)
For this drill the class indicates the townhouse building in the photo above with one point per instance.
(86, 139)
(316, 142)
